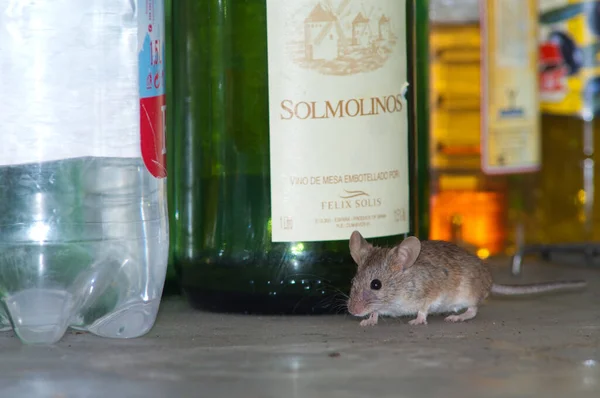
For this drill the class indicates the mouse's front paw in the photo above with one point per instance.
(370, 321)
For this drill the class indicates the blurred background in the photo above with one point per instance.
(501, 187)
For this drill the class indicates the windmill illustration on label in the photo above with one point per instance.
(343, 37)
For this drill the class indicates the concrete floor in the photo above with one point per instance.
(545, 346)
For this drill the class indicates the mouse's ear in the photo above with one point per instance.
(359, 247)
(405, 254)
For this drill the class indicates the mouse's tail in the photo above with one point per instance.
(533, 288)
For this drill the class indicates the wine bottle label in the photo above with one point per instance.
(510, 126)
(338, 118)
(70, 84)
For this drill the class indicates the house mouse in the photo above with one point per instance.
(425, 277)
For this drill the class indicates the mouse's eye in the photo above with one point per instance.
(375, 284)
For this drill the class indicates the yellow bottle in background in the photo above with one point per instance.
(566, 198)
(484, 119)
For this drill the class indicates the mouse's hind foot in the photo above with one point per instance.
(465, 316)
(421, 319)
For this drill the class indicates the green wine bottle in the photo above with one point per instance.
(295, 124)
(171, 286)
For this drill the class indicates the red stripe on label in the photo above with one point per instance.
(152, 133)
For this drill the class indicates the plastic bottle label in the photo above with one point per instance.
(70, 81)
(153, 124)
(338, 119)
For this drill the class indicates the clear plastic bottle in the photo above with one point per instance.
(83, 213)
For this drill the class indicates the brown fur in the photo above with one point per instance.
(422, 278)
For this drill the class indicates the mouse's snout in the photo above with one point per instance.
(356, 306)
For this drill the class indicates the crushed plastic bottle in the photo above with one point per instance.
(83, 213)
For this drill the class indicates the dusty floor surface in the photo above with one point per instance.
(545, 346)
